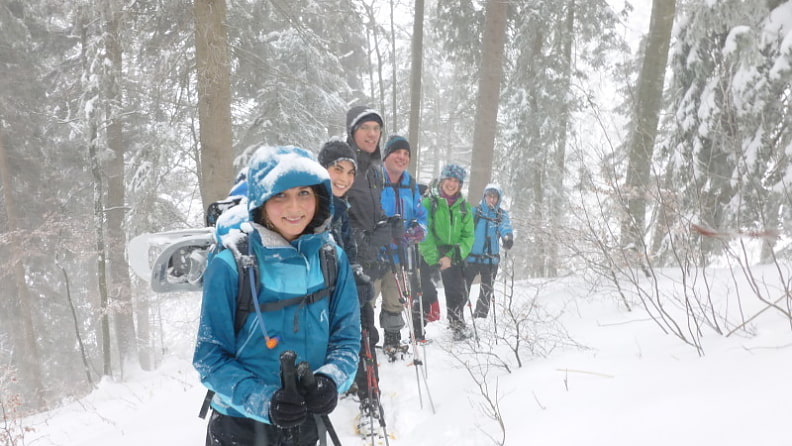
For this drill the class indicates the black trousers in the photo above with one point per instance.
(488, 272)
(455, 294)
(223, 430)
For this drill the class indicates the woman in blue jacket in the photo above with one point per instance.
(289, 204)
(492, 224)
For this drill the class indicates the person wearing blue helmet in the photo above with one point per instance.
(289, 207)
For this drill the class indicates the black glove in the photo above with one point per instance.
(367, 323)
(322, 397)
(397, 227)
(367, 317)
(381, 235)
(508, 242)
(360, 275)
(287, 409)
(365, 288)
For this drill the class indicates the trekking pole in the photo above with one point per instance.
(403, 287)
(308, 383)
(373, 387)
(289, 384)
(504, 274)
(415, 270)
(492, 304)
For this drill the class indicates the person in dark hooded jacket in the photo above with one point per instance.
(341, 163)
(370, 229)
(289, 209)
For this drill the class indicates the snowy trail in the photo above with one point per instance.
(624, 383)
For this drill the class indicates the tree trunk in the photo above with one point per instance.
(92, 126)
(380, 64)
(649, 103)
(557, 196)
(394, 85)
(214, 100)
(119, 290)
(488, 96)
(26, 352)
(416, 72)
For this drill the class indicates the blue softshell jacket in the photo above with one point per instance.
(239, 367)
(491, 225)
(403, 198)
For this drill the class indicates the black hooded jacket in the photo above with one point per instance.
(364, 196)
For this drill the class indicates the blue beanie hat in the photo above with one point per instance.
(453, 171)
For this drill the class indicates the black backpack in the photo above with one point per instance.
(247, 269)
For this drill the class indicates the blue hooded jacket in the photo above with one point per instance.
(403, 198)
(239, 367)
(491, 224)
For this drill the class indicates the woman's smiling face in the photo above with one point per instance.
(450, 186)
(342, 175)
(290, 211)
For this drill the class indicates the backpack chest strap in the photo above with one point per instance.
(307, 299)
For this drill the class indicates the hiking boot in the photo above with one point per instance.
(392, 339)
(353, 390)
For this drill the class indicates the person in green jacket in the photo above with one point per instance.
(449, 241)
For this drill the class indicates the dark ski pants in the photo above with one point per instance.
(456, 296)
(488, 272)
(224, 430)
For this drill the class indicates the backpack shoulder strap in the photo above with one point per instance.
(246, 265)
(328, 260)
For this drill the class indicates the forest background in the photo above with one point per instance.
(620, 149)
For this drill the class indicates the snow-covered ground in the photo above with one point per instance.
(599, 375)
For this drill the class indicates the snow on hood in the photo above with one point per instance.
(272, 170)
(496, 188)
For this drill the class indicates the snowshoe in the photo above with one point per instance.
(367, 421)
(393, 346)
(173, 260)
(395, 352)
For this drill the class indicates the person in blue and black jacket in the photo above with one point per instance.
(492, 225)
(289, 204)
